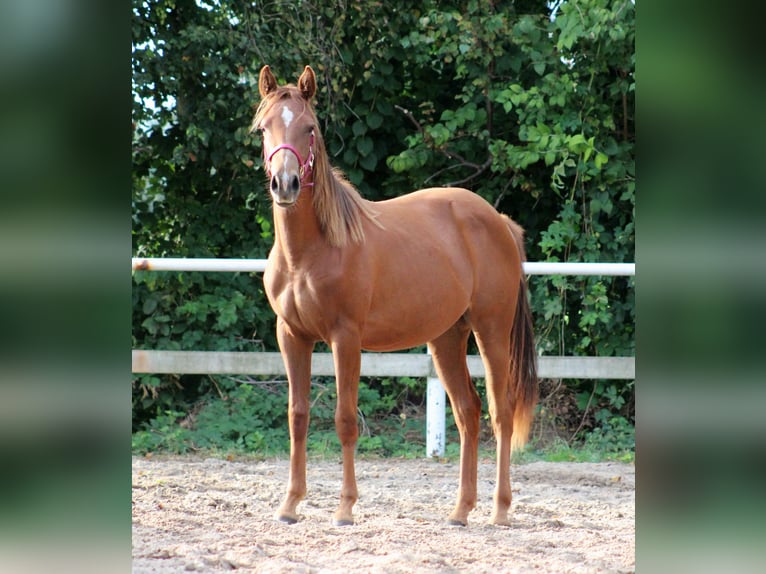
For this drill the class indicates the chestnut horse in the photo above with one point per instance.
(427, 267)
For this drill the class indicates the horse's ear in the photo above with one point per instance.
(267, 83)
(307, 83)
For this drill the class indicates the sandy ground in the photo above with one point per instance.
(195, 515)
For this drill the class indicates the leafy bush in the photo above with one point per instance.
(249, 416)
(533, 113)
(239, 419)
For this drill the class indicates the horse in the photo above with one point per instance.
(429, 267)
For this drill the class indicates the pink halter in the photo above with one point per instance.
(306, 167)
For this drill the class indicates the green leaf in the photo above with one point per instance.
(350, 156)
(364, 145)
(577, 143)
(369, 162)
(439, 133)
(150, 305)
(374, 120)
(359, 128)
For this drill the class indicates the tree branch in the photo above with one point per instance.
(481, 169)
(410, 117)
(478, 169)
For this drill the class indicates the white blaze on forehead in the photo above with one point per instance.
(287, 116)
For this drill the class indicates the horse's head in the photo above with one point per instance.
(287, 122)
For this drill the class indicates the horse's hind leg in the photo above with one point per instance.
(449, 356)
(494, 346)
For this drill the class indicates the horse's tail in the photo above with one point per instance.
(524, 392)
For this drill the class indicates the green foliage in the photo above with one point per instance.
(162, 432)
(534, 114)
(610, 446)
(614, 439)
(247, 416)
(240, 418)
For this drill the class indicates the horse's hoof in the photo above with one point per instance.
(343, 522)
(286, 519)
(456, 522)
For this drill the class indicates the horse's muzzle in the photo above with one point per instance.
(285, 189)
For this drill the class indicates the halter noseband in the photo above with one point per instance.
(306, 167)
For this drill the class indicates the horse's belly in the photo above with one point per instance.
(408, 325)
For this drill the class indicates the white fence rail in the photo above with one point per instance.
(373, 364)
(259, 265)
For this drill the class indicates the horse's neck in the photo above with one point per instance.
(296, 228)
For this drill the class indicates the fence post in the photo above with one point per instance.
(435, 409)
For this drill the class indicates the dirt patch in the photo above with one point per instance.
(215, 516)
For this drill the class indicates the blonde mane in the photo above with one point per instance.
(339, 207)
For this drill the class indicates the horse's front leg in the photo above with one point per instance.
(296, 353)
(347, 358)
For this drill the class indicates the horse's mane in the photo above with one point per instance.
(339, 207)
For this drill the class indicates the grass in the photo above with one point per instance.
(324, 445)
(561, 451)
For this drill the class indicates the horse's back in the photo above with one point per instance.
(458, 219)
(441, 195)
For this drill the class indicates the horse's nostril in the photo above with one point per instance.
(274, 184)
(295, 183)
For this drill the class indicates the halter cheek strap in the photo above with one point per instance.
(306, 167)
